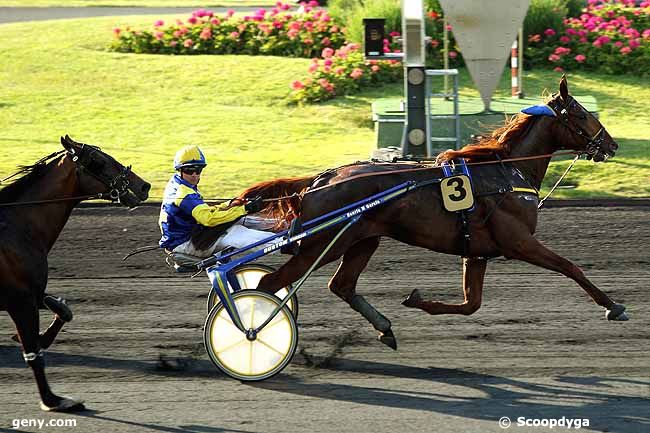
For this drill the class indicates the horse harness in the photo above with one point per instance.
(460, 185)
(117, 186)
(594, 143)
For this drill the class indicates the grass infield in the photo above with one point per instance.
(58, 77)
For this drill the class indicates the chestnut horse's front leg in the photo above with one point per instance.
(473, 276)
(532, 251)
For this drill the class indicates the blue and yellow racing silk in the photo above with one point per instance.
(183, 209)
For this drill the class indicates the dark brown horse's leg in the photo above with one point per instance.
(532, 251)
(47, 337)
(344, 283)
(473, 275)
(25, 316)
(26, 319)
(62, 315)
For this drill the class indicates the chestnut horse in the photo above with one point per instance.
(502, 223)
(33, 210)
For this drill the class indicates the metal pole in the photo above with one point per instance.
(521, 62)
(514, 70)
(445, 54)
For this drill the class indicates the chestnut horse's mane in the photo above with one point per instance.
(498, 143)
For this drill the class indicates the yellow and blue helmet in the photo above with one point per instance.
(189, 156)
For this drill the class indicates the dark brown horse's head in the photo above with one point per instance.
(589, 135)
(100, 173)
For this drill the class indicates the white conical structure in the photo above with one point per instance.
(484, 31)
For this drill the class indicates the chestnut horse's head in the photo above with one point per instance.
(100, 173)
(588, 134)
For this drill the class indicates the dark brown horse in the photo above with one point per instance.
(502, 224)
(33, 210)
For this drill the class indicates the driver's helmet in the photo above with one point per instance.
(189, 156)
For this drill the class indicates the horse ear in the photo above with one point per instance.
(68, 143)
(564, 89)
(65, 142)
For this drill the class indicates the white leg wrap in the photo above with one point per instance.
(32, 356)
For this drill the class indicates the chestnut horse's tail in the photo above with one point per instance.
(284, 196)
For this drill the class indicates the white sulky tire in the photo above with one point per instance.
(251, 360)
(249, 276)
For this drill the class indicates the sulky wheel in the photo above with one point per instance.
(249, 276)
(258, 357)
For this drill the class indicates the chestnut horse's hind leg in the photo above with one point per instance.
(532, 251)
(344, 283)
(473, 275)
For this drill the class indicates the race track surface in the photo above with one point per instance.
(538, 348)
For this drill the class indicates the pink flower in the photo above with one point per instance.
(375, 68)
(549, 32)
(626, 50)
(292, 33)
(159, 23)
(215, 21)
(206, 33)
(297, 85)
(554, 57)
(356, 73)
(339, 71)
(173, 43)
(158, 35)
(558, 69)
(435, 43)
(328, 62)
(117, 31)
(634, 43)
(394, 34)
(618, 44)
(234, 35)
(580, 58)
(192, 20)
(327, 53)
(188, 43)
(565, 39)
(177, 34)
(646, 34)
(453, 54)
(326, 42)
(313, 68)
(230, 13)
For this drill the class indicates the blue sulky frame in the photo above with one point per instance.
(219, 267)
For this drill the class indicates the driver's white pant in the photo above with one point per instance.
(236, 236)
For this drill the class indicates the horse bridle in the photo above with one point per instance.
(595, 143)
(117, 186)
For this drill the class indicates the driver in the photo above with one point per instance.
(183, 209)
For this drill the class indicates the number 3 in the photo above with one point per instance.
(459, 187)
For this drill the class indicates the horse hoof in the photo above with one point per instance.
(388, 338)
(413, 299)
(59, 307)
(66, 404)
(617, 313)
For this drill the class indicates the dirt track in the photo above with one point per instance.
(538, 348)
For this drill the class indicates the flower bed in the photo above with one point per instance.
(611, 36)
(280, 32)
(341, 72)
